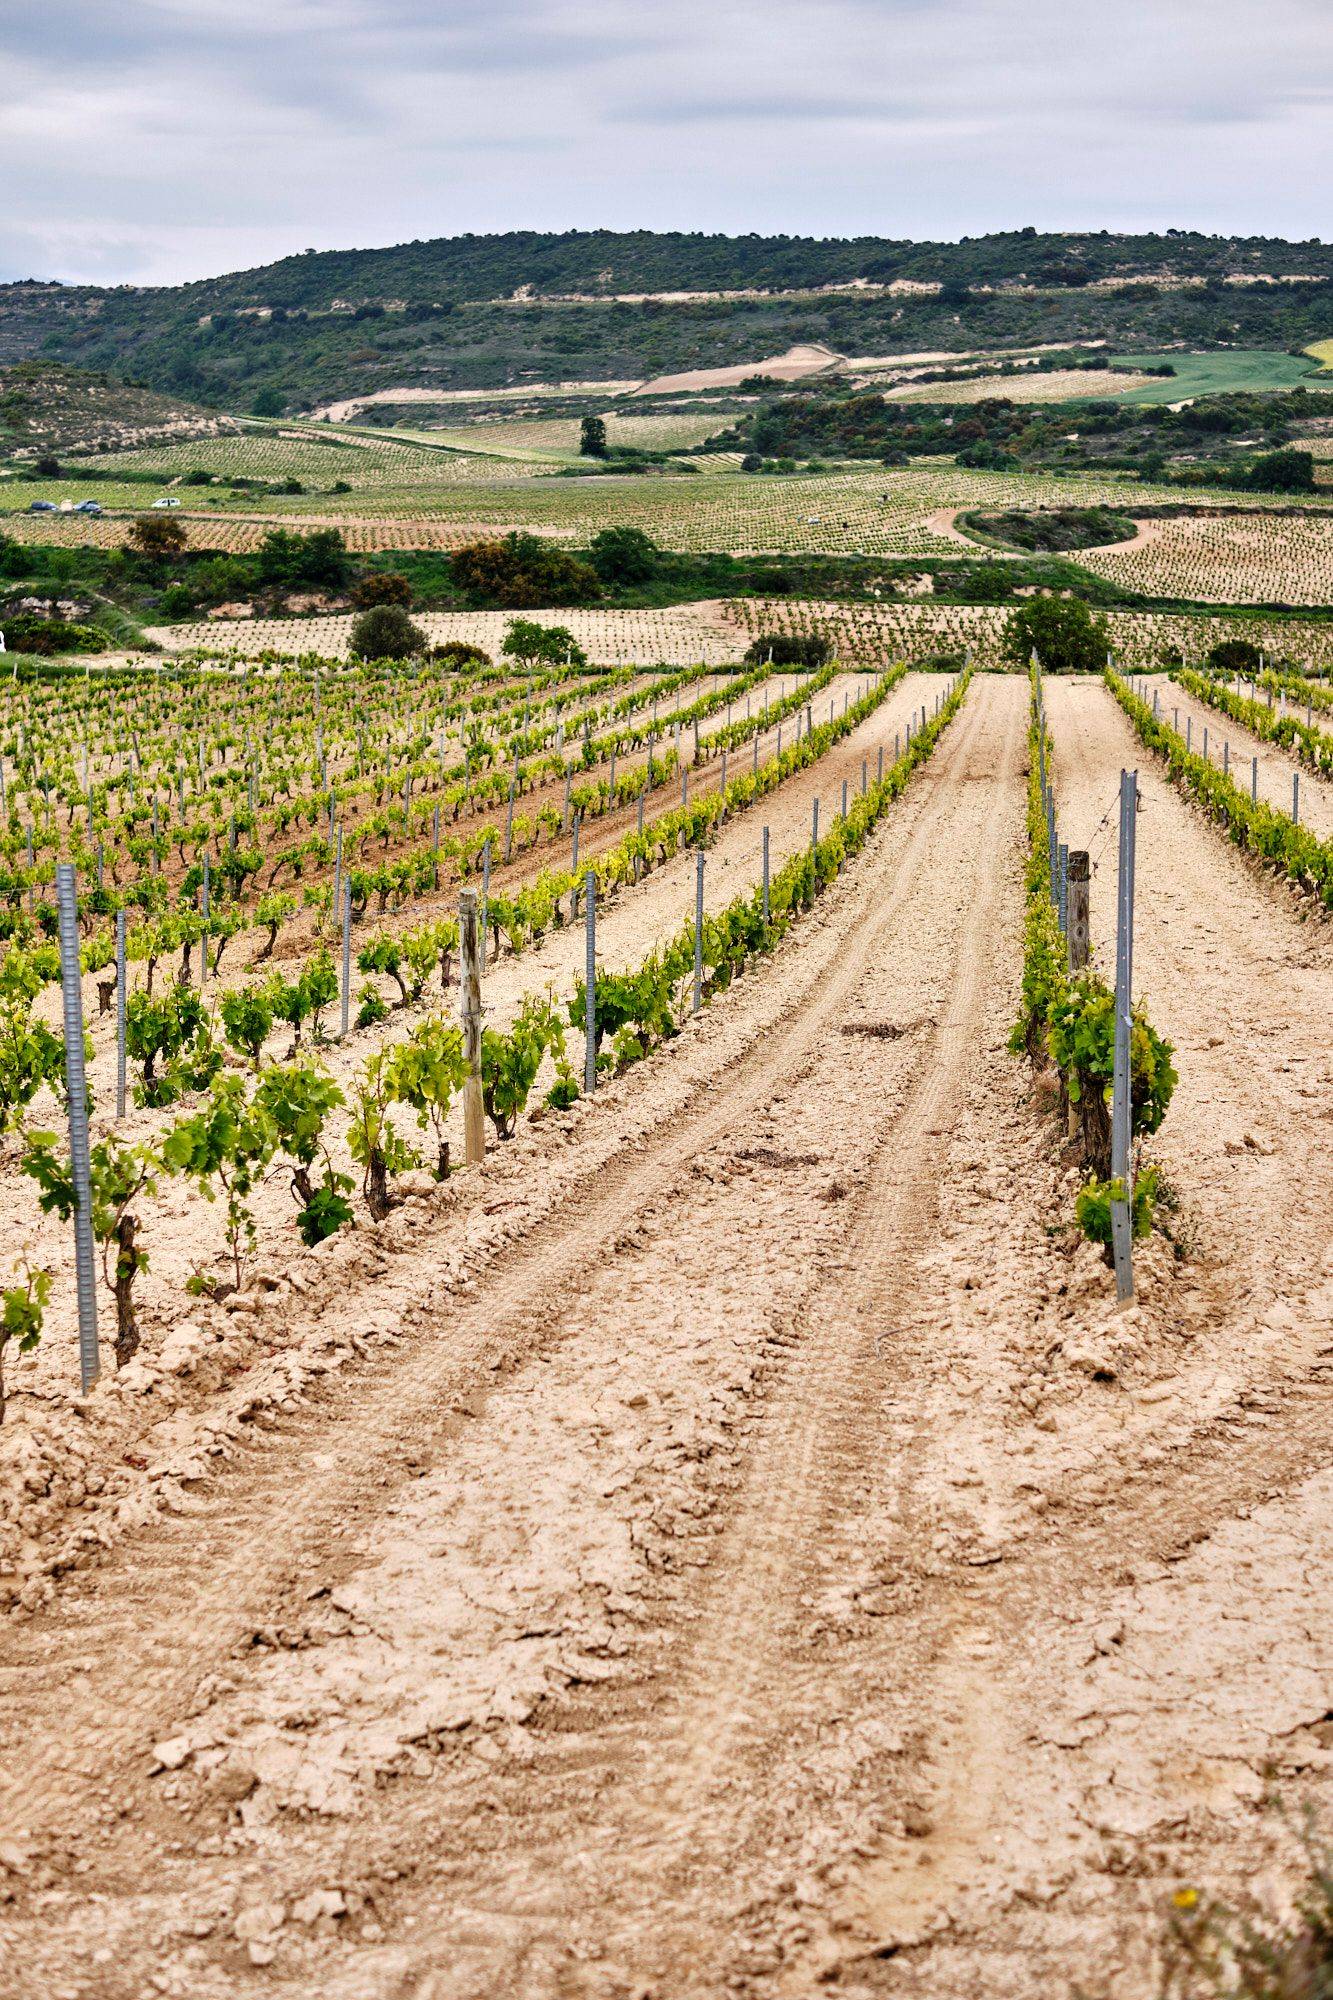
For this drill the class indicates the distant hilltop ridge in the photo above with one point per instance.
(477, 313)
(601, 263)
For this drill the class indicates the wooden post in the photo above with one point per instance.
(1079, 916)
(469, 972)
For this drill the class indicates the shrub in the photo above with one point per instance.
(52, 635)
(1282, 472)
(1234, 656)
(790, 649)
(386, 633)
(458, 653)
(522, 571)
(382, 587)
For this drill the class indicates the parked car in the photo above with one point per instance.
(166, 501)
(89, 507)
(42, 507)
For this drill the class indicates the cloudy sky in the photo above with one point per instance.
(169, 139)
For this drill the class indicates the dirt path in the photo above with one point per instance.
(754, 1555)
(1276, 766)
(1239, 982)
(181, 1228)
(736, 1073)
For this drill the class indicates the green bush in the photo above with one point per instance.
(385, 632)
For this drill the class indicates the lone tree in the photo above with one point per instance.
(592, 437)
(385, 632)
(1063, 634)
(528, 642)
(158, 535)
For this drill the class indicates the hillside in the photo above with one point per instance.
(46, 407)
(480, 312)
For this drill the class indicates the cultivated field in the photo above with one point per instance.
(417, 495)
(618, 1465)
(729, 1538)
(1056, 385)
(1245, 559)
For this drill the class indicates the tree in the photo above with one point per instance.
(624, 556)
(382, 587)
(592, 437)
(520, 572)
(1061, 631)
(158, 535)
(528, 642)
(386, 633)
(1235, 656)
(268, 403)
(1282, 472)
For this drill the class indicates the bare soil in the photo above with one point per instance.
(733, 1543)
(1276, 764)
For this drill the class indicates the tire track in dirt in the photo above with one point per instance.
(154, 1626)
(1086, 1752)
(684, 1762)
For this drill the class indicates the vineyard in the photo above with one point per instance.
(1250, 559)
(676, 637)
(388, 491)
(665, 1325)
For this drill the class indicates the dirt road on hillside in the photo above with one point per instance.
(750, 1553)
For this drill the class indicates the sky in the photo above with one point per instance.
(160, 140)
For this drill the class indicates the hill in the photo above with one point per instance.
(491, 311)
(46, 407)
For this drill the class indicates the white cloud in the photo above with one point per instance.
(179, 137)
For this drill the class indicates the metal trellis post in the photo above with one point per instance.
(1122, 1239)
(76, 1090)
(590, 983)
